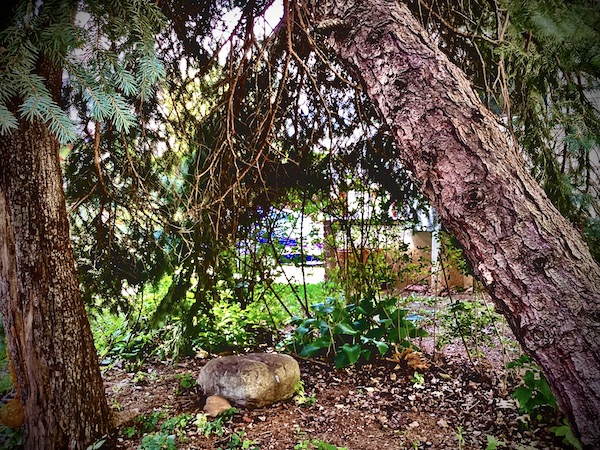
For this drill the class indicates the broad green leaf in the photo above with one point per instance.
(352, 352)
(360, 325)
(315, 347)
(341, 360)
(344, 328)
(382, 347)
(375, 333)
(301, 330)
(529, 379)
(417, 332)
(546, 392)
(322, 308)
(366, 354)
(296, 320)
(522, 394)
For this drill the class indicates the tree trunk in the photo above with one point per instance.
(534, 264)
(48, 333)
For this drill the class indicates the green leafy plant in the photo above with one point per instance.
(535, 391)
(471, 320)
(460, 436)
(353, 332)
(216, 426)
(11, 437)
(493, 443)
(158, 441)
(155, 437)
(535, 394)
(566, 433)
(418, 380)
(186, 381)
(300, 398)
(6, 384)
(176, 424)
(129, 432)
(238, 442)
(149, 422)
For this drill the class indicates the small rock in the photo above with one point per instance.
(442, 423)
(215, 405)
(414, 424)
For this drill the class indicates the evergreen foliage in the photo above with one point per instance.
(106, 48)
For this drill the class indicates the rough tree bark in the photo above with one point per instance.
(534, 264)
(48, 333)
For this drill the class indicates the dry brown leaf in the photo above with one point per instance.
(415, 360)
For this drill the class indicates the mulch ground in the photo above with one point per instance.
(369, 407)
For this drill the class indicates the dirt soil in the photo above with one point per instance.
(366, 408)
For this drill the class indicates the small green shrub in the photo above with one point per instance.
(186, 381)
(566, 433)
(176, 424)
(535, 391)
(471, 320)
(535, 394)
(493, 443)
(353, 332)
(418, 380)
(148, 422)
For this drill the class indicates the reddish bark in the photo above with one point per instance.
(532, 261)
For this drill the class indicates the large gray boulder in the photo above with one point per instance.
(253, 380)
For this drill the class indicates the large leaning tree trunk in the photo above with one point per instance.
(48, 333)
(534, 264)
